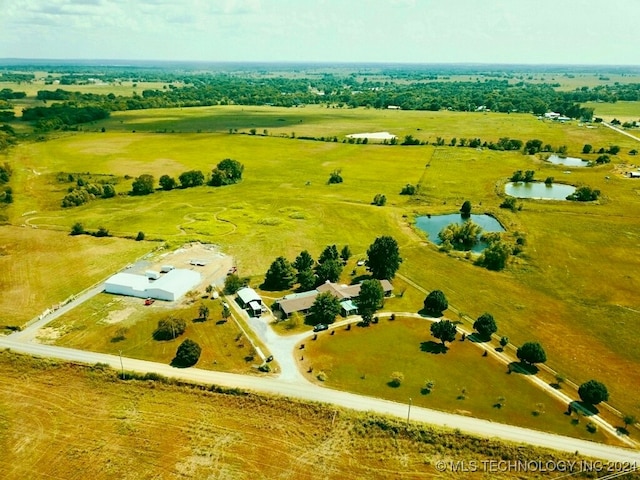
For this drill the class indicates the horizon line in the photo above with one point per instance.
(132, 62)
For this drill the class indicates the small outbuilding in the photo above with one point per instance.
(249, 299)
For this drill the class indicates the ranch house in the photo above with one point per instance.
(347, 294)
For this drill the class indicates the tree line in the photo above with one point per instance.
(222, 89)
(226, 172)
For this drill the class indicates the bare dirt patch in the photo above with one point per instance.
(118, 316)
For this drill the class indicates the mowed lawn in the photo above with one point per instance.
(573, 288)
(41, 268)
(114, 324)
(363, 360)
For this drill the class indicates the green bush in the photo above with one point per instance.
(169, 328)
(188, 354)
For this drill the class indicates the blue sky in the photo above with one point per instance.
(404, 31)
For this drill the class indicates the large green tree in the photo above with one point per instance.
(485, 325)
(593, 392)
(329, 270)
(531, 352)
(461, 236)
(233, 283)
(325, 308)
(191, 178)
(495, 256)
(444, 330)
(167, 182)
(169, 328)
(304, 261)
(281, 275)
(465, 210)
(188, 354)
(345, 253)
(307, 279)
(227, 172)
(436, 302)
(329, 253)
(143, 185)
(370, 299)
(383, 258)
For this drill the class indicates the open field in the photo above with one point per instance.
(41, 268)
(572, 288)
(623, 111)
(113, 324)
(465, 382)
(74, 422)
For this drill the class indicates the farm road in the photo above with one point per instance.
(310, 392)
(619, 130)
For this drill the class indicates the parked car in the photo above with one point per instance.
(320, 327)
(232, 270)
(149, 301)
(360, 263)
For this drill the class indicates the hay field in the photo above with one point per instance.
(77, 422)
(41, 268)
(572, 289)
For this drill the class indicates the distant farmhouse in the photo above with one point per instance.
(347, 294)
(169, 286)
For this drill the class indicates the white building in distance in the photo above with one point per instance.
(170, 286)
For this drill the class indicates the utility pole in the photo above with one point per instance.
(409, 412)
(121, 366)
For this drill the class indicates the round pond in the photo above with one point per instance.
(433, 224)
(539, 190)
(567, 161)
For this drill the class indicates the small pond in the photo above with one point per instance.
(567, 161)
(539, 190)
(434, 223)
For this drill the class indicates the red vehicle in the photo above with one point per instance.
(149, 301)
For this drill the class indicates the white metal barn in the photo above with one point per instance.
(170, 286)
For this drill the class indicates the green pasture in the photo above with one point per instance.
(318, 121)
(573, 288)
(623, 111)
(113, 324)
(363, 359)
(124, 88)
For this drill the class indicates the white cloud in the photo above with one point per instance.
(545, 31)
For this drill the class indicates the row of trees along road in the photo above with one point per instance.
(591, 392)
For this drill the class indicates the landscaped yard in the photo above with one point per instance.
(364, 360)
(114, 324)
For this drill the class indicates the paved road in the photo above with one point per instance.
(619, 130)
(310, 392)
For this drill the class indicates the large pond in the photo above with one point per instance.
(539, 190)
(434, 223)
(567, 161)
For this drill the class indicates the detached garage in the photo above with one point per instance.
(170, 286)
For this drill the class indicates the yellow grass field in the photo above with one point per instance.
(73, 422)
(41, 268)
